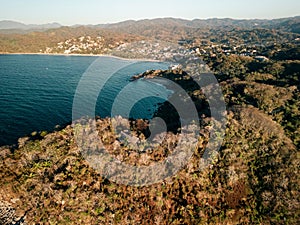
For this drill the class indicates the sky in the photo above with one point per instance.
(70, 12)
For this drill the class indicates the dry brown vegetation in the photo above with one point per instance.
(255, 180)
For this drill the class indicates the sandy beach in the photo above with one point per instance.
(84, 55)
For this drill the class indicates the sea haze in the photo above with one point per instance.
(37, 91)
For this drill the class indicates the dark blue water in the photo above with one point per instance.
(37, 91)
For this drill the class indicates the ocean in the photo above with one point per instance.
(37, 91)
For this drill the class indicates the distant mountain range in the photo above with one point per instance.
(291, 24)
(202, 23)
(13, 25)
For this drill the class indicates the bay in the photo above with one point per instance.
(37, 91)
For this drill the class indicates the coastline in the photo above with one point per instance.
(83, 55)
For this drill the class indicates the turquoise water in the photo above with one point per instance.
(37, 91)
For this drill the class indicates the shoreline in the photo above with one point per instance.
(83, 55)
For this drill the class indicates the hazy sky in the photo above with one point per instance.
(70, 12)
